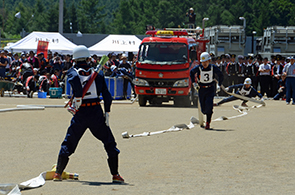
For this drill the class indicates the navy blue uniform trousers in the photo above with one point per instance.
(89, 117)
(206, 96)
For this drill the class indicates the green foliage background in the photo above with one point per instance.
(132, 16)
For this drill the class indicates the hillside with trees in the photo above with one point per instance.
(132, 16)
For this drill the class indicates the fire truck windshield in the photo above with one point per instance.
(163, 53)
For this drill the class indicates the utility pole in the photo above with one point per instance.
(61, 16)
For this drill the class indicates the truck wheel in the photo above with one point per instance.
(141, 100)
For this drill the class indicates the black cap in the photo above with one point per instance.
(250, 57)
(233, 55)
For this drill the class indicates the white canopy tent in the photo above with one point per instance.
(117, 44)
(57, 43)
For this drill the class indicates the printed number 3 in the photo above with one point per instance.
(206, 77)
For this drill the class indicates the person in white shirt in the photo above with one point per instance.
(265, 77)
(289, 72)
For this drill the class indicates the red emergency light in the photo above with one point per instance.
(166, 32)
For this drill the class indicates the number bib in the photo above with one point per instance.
(245, 92)
(206, 76)
(91, 93)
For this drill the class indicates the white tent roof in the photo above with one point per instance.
(57, 43)
(117, 44)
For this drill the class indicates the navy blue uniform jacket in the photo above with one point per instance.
(101, 87)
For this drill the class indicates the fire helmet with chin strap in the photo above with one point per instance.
(205, 56)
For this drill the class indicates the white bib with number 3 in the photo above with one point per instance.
(206, 76)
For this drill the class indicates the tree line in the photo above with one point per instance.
(132, 16)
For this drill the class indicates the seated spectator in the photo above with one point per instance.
(282, 89)
(44, 82)
(54, 79)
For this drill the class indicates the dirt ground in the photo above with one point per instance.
(253, 154)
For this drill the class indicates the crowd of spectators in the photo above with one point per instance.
(267, 75)
(33, 72)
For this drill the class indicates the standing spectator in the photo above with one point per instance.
(15, 65)
(289, 72)
(251, 70)
(232, 70)
(265, 78)
(67, 65)
(191, 18)
(42, 61)
(107, 67)
(276, 72)
(125, 65)
(33, 60)
(57, 65)
(241, 68)
(3, 64)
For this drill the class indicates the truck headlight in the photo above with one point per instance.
(140, 82)
(181, 83)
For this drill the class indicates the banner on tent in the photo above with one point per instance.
(43, 47)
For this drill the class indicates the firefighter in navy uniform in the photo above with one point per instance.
(276, 72)
(241, 67)
(250, 69)
(244, 89)
(220, 64)
(232, 70)
(89, 115)
(205, 73)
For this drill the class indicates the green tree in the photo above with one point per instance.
(89, 16)
(40, 21)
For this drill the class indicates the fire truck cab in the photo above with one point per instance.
(163, 65)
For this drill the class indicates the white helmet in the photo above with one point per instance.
(205, 56)
(80, 51)
(248, 81)
(113, 67)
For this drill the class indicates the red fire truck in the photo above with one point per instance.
(163, 64)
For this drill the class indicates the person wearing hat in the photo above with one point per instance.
(232, 69)
(244, 89)
(125, 71)
(225, 60)
(203, 78)
(241, 67)
(191, 18)
(276, 72)
(265, 77)
(281, 93)
(289, 72)
(88, 113)
(251, 70)
(3, 64)
(15, 65)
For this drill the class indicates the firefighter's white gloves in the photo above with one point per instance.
(196, 86)
(107, 116)
(226, 89)
(77, 101)
(217, 88)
